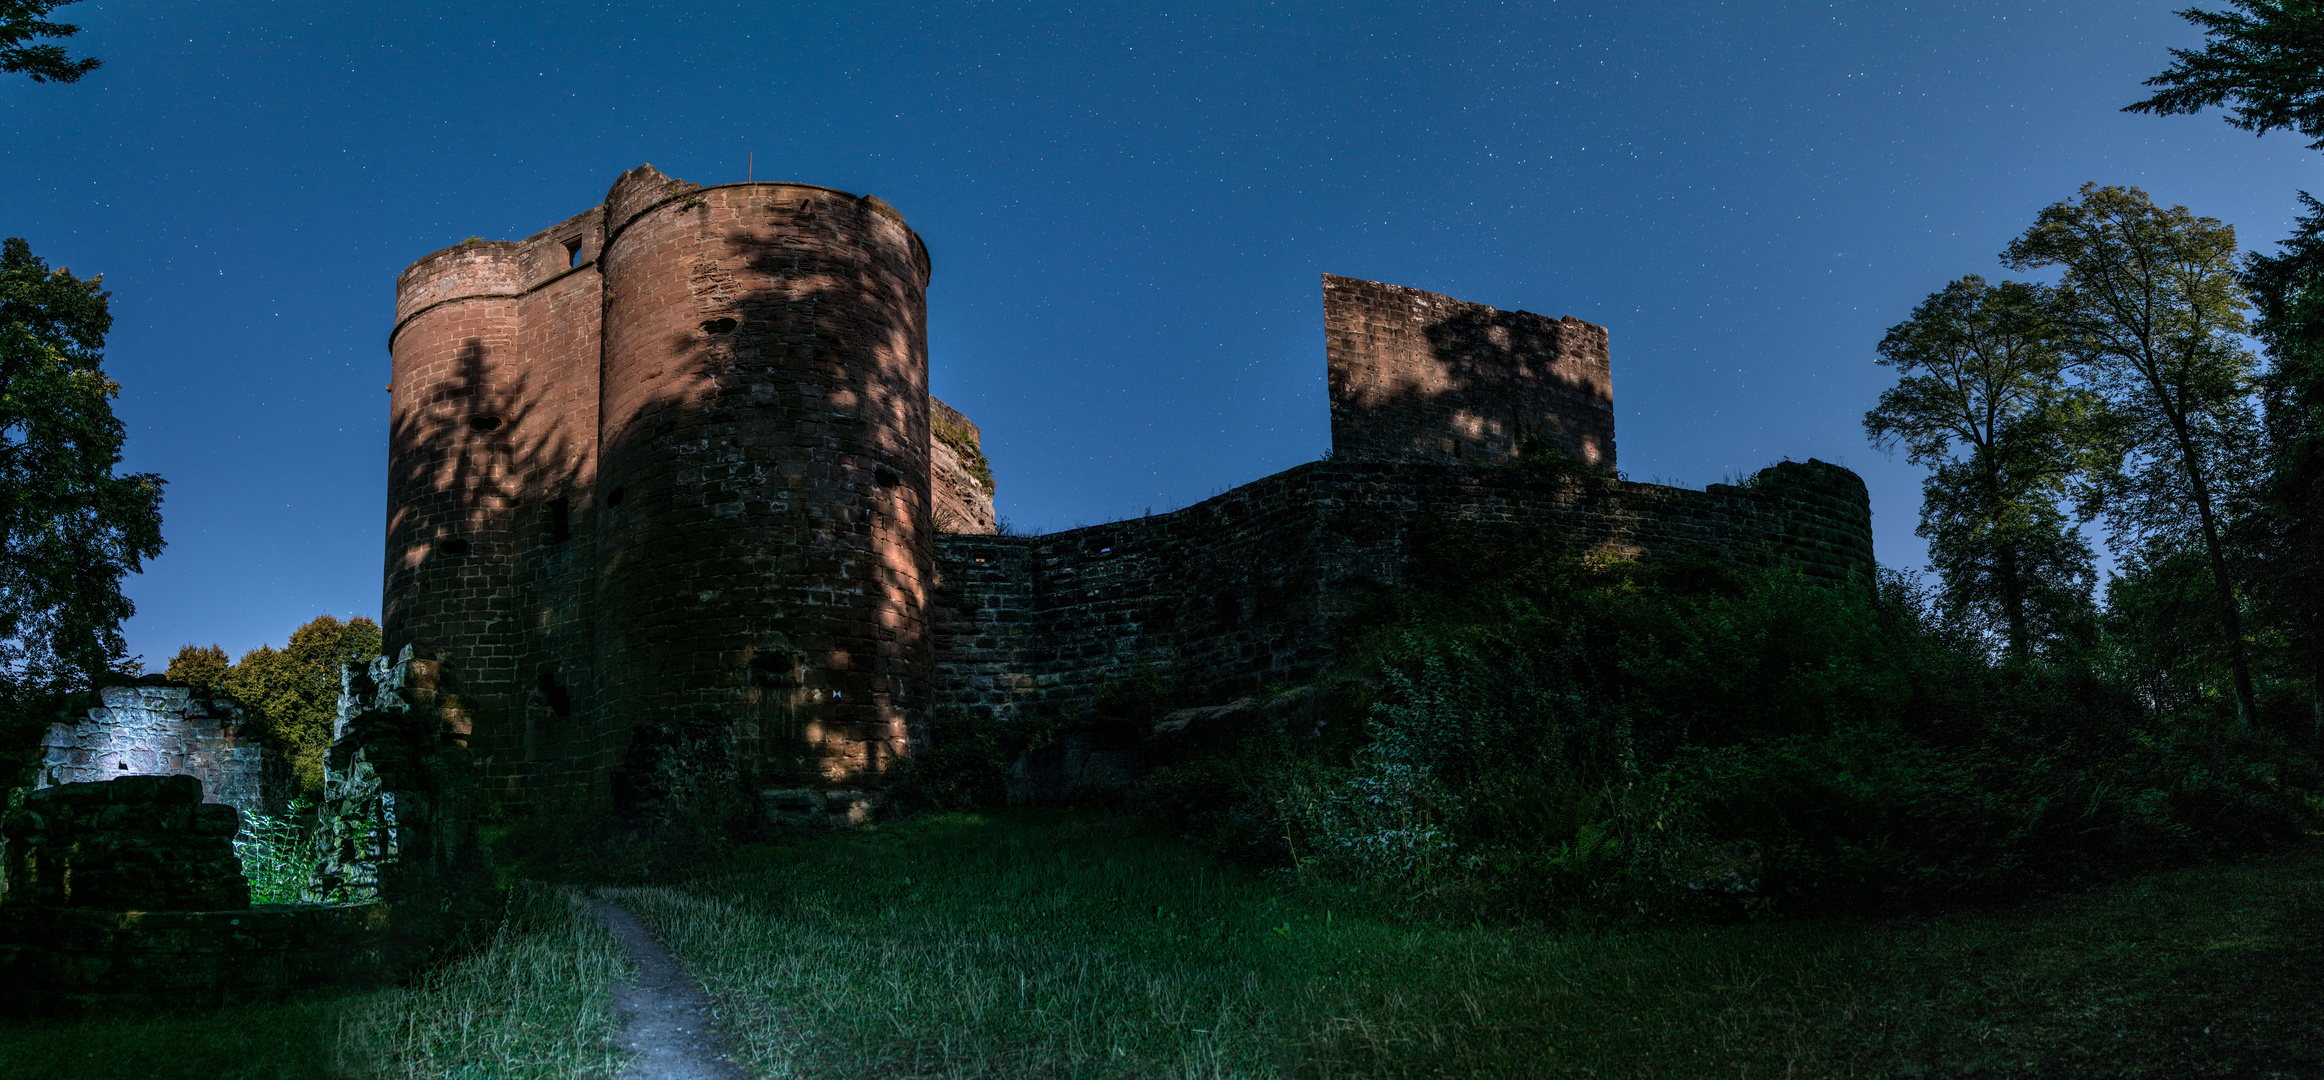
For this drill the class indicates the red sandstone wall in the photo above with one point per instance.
(450, 488)
(1238, 592)
(963, 502)
(763, 472)
(493, 421)
(1416, 376)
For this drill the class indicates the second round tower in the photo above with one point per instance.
(765, 541)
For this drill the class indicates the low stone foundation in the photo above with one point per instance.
(65, 960)
(142, 843)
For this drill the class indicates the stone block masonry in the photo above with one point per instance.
(668, 495)
(167, 731)
(1239, 592)
(146, 843)
(1416, 376)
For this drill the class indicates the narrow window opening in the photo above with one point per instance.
(121, 765)
(886, 477)
(455, 546)
(614, 499)
(719, 326)
(484, 423)
(573, 251)
(556, 697)
(560, 520)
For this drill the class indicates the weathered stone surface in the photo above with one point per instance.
(673, 462)
(1416, 376)
(142, 843)
(963, 497)
(168, 731)
(641, 455)
(55, 960)
(1239, 592)
(401, 809)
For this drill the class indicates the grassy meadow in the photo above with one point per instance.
(1088, 945)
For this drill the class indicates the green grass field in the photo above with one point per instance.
(1056, 944)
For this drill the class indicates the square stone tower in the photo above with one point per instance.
(1416, 376)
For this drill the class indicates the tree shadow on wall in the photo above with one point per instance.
(790, 439)
(474, 486)
(1503, 394)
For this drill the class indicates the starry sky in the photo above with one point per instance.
(1128, 206)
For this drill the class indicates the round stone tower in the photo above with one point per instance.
(762, 490)
(449, 551)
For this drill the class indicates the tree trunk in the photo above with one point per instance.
(2230, 615)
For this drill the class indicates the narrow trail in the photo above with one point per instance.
(665, 1018)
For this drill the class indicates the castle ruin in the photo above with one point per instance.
(670, 470)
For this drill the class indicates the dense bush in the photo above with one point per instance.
(1589, 735)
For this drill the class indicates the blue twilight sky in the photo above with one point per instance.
(1128, 207)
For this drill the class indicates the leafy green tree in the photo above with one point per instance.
(199, 666)
(21, 21)
(2267, 58)
(2287, 534)
(294, 691)
(70, 529)
(2150, 305)
(1983, 403)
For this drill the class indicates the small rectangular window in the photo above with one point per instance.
(560, 520)
(573, 251)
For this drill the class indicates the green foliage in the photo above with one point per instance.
(1556, 734)
(294, 691)
(199, 666)
(1983, 403)
(2268, 60)
(278, 857)
(70, 529)
(1092, 945)
(2150, 304)
(21, 21)
(2284, 537)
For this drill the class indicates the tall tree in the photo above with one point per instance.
(2288, 532)
(294, 690)
(2151, 306)
(70, 529)
(22, 21)
(199, 666)
(2267, 60)
(1982, 402)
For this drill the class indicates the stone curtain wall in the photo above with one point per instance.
(1416, 376)
(166, 731)
(1237, 592)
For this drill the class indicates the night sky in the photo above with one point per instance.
(1128, 209)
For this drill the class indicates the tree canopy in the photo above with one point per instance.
(292, 691)
(1982, 403)
(2151, 306)
(2266, 58)
(22, 21)
(70, 529)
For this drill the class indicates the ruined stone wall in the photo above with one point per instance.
(961, 486)
(1238, 592)
(166, 731)
(492, 453)
(1416, 376)
(140, 843)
